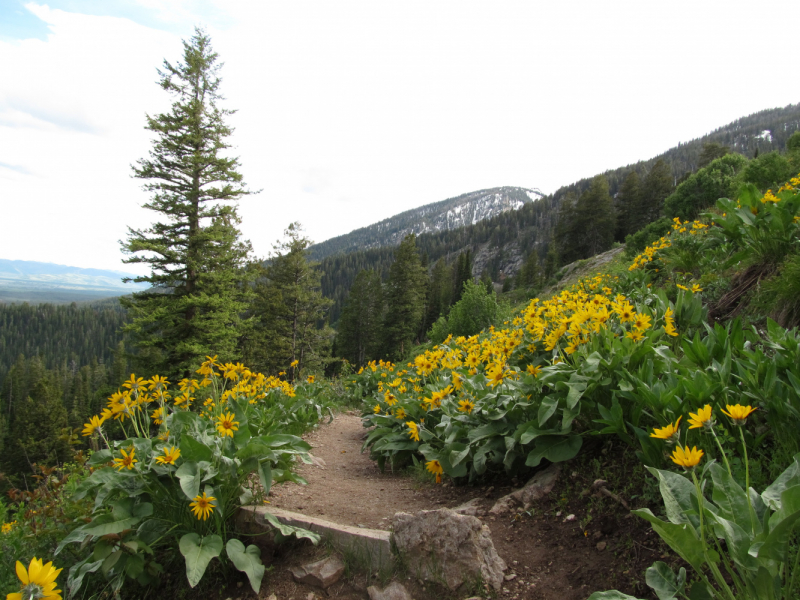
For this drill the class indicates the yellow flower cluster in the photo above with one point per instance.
(226, 381)
(649, 254)
(690, 457)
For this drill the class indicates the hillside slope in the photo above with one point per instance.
(446, 215)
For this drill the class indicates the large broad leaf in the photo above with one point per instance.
(247, 560)
(731, 499)
(289, 530)
(738, 541)
(547, 409)
(198, 552)
(677, 492)
(76, 535)
(106, 524)
(78, 571)
(190, 477)
(790, 477)
(555, 448)
(612, 595)
(664, 582)
(193, 450)
(776, 546)
(681, 538)
(265, 475)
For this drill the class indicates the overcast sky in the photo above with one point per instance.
(352, 111)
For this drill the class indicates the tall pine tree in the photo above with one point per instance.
(361, 324)
(194, 251)
(405, 298)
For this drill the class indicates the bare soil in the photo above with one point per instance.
(565, 548)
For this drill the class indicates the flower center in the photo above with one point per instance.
(32, 591)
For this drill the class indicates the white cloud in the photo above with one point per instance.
(351, 111)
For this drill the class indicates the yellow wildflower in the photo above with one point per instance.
(93, 424)
(226, 425)
(203, 506)
(170, 456)
(435, 467)
(702, 418)
(127, 460)
(413, 432)
(685, 457)
(739, 413)
(669, 433)
(38, 581)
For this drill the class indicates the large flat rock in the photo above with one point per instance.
(371, 546)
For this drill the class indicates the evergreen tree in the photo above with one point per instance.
(586, 227)
(711, 151)
(657, 185)
(440, 292)
(530, 273)
(289, 331)
(361, 325)
(462, 274)
(405, 299)
(628, 205)
(195, 253)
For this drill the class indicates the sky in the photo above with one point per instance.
(349, 112)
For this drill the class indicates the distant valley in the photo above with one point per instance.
(31, 281)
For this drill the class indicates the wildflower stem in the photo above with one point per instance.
(724, 457)
(753, 518)
(795, 570)
(714, 570)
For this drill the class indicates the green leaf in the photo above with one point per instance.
(105, 525)
(664, 582)
(289, 530)
(265, 475)
(730, 498)
(555, 448)
(190, 477)
(76, 535)
(193, 450)
(681, 538)
(677, 492)
(77, 573)
(100, 457)
(790, 477)
(612, 595)
(547, 410)
(247, 561)
(198, 552)
(776, 546)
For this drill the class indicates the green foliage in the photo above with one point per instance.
(783, 293)
(476, 311)
(194, 253)
(288, 311)
(638, 241)
(36, 519)
(60, 334)
(628, 203)
(657, 185)
(361, 325)
(767, 171)
(197, 471)
(711, 152)
(754, 528)
(702, 189)
(586, 225)
(405, 299)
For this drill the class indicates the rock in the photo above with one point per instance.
(468, 508)
(601, 546)
(272, 597)
(569, 518)
(539, 486)
(323, 573)
(511, 577)
(393, 591)
(442, 545)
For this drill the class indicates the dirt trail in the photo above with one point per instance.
(348, 488)
(567, 546)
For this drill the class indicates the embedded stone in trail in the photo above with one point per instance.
(440, 545)
(393, 591)
(323, 573)
(537, 488)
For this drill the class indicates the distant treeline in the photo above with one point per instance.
(75, 334)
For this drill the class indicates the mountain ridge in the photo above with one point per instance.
(444, 215)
